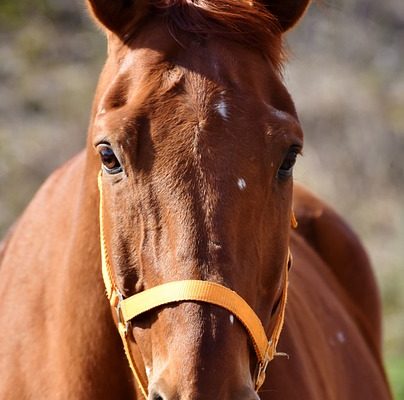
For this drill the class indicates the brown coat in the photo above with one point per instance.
(197, 136)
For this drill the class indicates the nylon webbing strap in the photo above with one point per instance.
(208, 292)
(105, 264)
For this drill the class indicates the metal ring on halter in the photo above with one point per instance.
(260, 374)
(118, 310)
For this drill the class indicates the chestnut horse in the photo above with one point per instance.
(196, 137)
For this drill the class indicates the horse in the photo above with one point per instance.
(187, 176)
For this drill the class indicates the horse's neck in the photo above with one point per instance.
(53, 298)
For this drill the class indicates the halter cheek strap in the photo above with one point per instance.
(191, 290)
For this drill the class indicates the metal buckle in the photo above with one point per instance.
(260, 373)
(261, 368)
(118, 311)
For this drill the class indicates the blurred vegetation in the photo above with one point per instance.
(395, 367)
(50, 55)
(346, 74)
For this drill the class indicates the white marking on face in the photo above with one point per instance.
(341, 337)
(148, 370)
(241, 183)
(231, 319)
(281, 114)
(221, 108)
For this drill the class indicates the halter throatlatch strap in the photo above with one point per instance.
(190, 290)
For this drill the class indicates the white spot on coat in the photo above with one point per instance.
(282, 115)
(241, 183)
(148, 372)
(341, 337)
(221, 108)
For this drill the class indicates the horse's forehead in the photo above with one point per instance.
(208, 86)
(218, 60)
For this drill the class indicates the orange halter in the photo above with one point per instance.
(191, 290)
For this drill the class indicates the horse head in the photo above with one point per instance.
(197, 138)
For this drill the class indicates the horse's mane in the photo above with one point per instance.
(240, 20)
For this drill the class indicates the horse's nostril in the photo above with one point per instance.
(162, 391)
(156, 396)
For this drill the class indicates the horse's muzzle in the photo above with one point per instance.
(162, 391)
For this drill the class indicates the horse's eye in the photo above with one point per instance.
(286, 169)
(109, 160)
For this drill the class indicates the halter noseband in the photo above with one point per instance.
(191, 290)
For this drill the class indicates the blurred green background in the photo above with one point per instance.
(346, 74)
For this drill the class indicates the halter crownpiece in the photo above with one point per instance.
(190, 290)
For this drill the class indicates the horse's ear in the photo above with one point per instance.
(117, 15)
(287, 12)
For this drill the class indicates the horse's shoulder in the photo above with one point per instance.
(342, 251)
(40, 210)
(43, 223)
(62, 179)
(55, 195)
